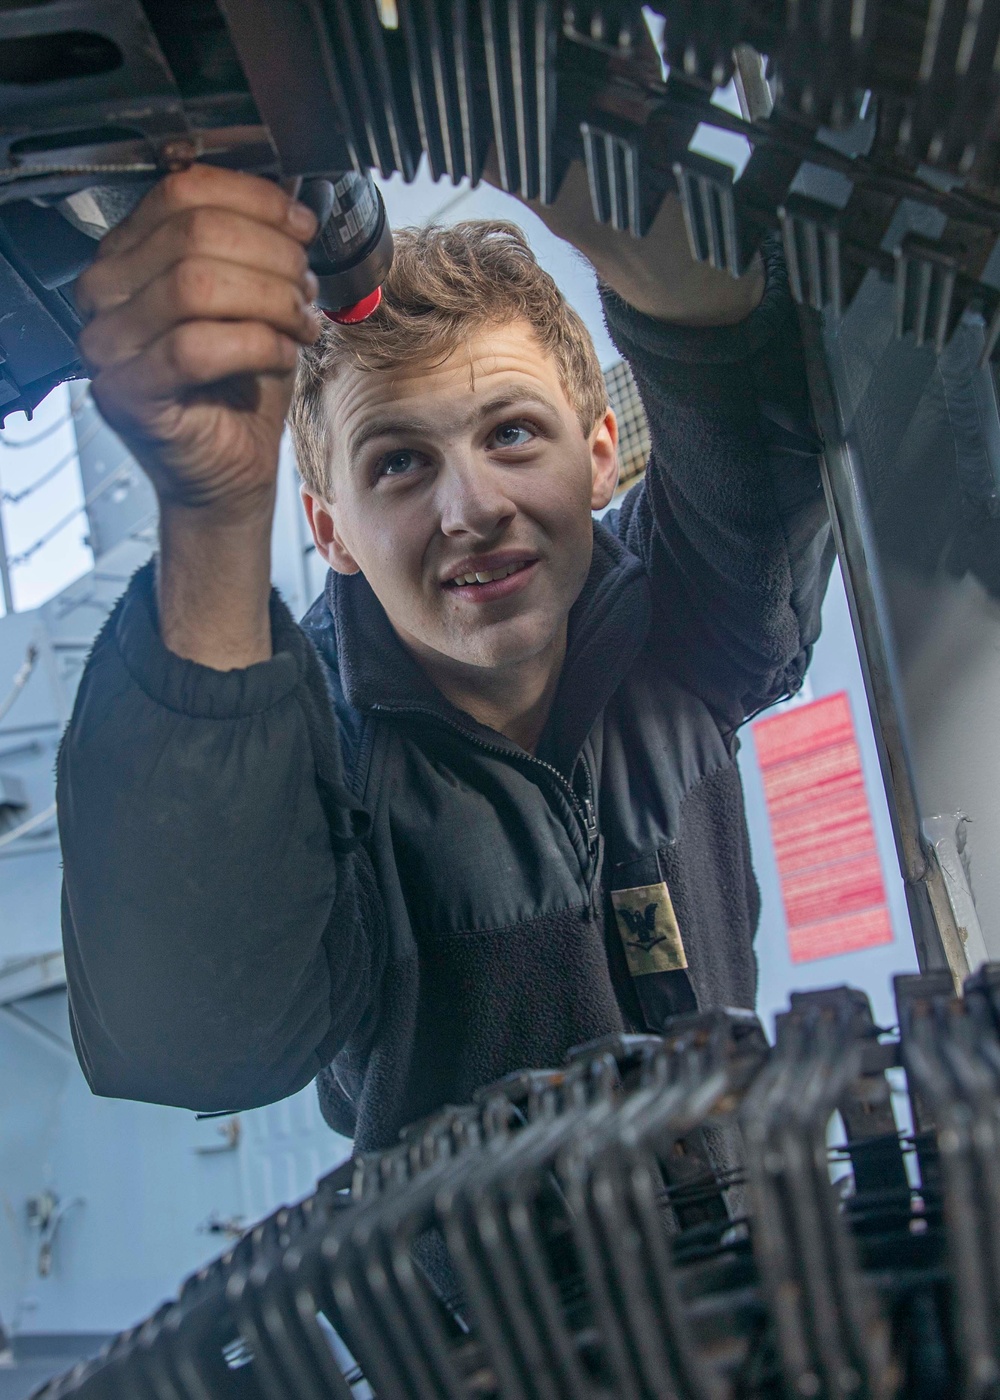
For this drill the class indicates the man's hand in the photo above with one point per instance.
(195, 308)
(656, 274)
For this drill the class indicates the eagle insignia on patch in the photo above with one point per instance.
(648, 928)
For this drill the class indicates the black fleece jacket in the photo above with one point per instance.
(318, 867)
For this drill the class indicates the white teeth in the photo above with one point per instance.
(488, 575)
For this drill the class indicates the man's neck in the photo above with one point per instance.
(514, 700)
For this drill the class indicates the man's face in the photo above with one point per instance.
(463, 491)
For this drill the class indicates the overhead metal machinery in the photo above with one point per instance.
(882, 100)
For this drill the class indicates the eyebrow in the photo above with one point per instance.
(391, 426)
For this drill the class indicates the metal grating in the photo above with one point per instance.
(633, 428)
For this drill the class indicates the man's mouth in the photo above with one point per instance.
(490, 575)
(487, 585)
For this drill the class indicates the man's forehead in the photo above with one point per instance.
(488, 370)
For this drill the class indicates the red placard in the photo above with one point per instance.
(824, 842)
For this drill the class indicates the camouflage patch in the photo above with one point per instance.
(648, 928)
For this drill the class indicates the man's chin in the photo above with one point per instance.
(500, 646)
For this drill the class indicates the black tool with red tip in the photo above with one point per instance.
(352, 252)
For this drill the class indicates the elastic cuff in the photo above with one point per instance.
(630, 329)
(195, 690)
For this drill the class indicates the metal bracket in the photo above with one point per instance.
(706, 190)
(811, 233)
(926, 273)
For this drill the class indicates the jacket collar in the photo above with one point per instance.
(608, 625)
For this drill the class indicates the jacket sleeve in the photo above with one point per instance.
(730, 519)
(221, 925)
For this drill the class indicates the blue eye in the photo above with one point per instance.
(398, 464)
(512, 435)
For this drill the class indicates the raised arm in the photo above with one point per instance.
(222, 935)
(730, 519)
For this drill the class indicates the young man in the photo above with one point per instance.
(482, 805)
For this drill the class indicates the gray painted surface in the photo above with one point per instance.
(35, 1359)
(145, 1190)
(120, 500)
(143, 1194)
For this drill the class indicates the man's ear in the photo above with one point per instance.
(604, 460)
(323, 525)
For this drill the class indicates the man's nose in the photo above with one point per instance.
(473, 499)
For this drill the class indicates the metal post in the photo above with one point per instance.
(8, 596)
(936, 935)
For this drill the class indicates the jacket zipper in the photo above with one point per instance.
(589, 815)
(584, 810)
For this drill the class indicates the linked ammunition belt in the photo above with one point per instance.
(678, 1216)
